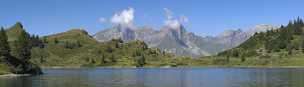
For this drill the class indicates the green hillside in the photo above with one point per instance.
(288, 39)
(282, 46)
(4, 68)
(73, 35)
(75, 48)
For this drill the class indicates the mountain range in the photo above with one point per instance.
(179, 41)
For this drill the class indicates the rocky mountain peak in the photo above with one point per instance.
(177, 40)
(230, 32)
(260, 28)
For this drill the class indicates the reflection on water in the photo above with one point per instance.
(154, 77)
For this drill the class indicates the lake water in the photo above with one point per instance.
(156, 77)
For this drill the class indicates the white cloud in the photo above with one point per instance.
(103, 20)
(124, 17)
(170, 21)
(168, 14)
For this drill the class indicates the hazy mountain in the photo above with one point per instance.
(178, 40)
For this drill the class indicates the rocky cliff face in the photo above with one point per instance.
(177, 40)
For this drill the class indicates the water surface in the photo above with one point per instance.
(156, 77)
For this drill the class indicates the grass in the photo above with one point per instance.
(291, 61)
(4, 69)
(288, 61)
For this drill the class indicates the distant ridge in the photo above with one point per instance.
(179, 41)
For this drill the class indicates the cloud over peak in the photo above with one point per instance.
(124, 17)
(174, 23)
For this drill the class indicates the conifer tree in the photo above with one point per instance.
(141, 61)
(4, 46)
(22, 47)
(56, 41)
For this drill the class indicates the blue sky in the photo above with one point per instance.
(206, 17)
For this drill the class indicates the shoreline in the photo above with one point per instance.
(13, 75)
(10, 75)
(209, 66)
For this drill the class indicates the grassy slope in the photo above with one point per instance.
(73, 35)
(290, 61)
(91, 53)
(4, 69)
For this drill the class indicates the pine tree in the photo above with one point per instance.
(302, 46)
(302, 41)
(112, 58)
(102, 56)
(35, 41)
(4, 46)
(22, 47)
(297, 26)
(56, 41)
(141, 61)
(109, 49)
(44, 40)
(78, 44)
